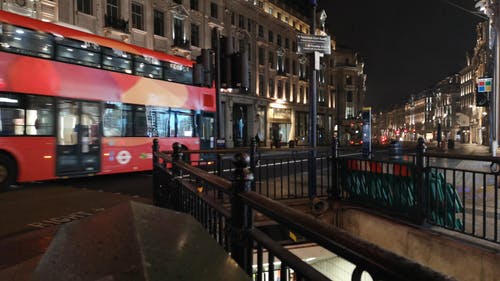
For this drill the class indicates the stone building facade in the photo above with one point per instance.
(278, 90)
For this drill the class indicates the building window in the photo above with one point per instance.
(278, 40)
(249, 25)
(261, 56)
(280, 63)
(213, 10)
(195, 35)
(270, 59)
(137, 12)
(85, 6)
(294, 93)
(271, 88)
(270, 37)
(287, 90)
(241, 22)
(262, 88)
(349, 96)
(287, 43)
(213, 38)
(232, 18)
(112, 9)
(194, 5)
(178, 31)
(159, 23)
(261, 31)
(280, 89)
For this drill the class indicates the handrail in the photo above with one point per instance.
(296, 263)
(463, 156)
(394, 267)
(207, 177)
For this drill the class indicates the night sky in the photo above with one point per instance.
(407, 46)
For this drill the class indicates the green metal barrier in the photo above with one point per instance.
(393, 190)
(443, 201)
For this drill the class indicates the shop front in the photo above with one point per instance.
(280, 125)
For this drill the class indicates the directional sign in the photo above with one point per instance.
(308, 43)
(484, 85)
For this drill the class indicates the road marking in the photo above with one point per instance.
(64, 219)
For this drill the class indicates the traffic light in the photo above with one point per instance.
(225, 53)
(234, 68)
(239, 70)
(482, 99)
(202, 69)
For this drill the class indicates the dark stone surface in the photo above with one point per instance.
(135, 241)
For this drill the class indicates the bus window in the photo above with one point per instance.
(157, 119)
(89, 125)
(140, 122)
(178, 73)
(26, 41)
(78, 52)
(148, 67)
(112, 120)
(116, 60)
(67, 134)
(10, 110)
(184, 125)
(39, 115)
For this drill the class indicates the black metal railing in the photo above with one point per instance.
(279, 173)
(182, 43)
(461, 193)
(228, 210)
(456, 192)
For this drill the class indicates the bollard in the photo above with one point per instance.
(241, 215)
(395, 150)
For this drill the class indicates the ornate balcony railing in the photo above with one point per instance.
(116, 23)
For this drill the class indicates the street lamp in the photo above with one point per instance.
(490, 9)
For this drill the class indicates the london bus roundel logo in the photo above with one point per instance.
(123, 157)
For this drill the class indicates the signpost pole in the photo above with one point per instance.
(313, 111)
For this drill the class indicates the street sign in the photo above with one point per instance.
(308, 43)
(484, 85)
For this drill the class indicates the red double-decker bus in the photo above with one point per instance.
(74, 104)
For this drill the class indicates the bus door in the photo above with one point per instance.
(78, 138)
(206, 131)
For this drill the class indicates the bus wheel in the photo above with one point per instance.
(8, 172)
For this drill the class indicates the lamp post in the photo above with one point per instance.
(491, 10)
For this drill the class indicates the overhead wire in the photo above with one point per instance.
(475, 13)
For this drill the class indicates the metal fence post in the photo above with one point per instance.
(176, 156)
(175, 190)
(253, 152)
(419, 180)
(334, 190)
(241, 215)
(156, 173)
